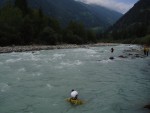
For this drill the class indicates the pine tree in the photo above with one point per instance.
(22, 5)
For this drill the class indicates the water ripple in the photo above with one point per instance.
(4, 87)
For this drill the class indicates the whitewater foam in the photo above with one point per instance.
(106, 61)
(91, 51)
(4, 87)
(27, 56)
(74, 63)
(49, 86)
(36, 74)
(13, 60)
(21, 70)
(88, 51)
(58, 56)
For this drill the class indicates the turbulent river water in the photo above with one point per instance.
(40, 82)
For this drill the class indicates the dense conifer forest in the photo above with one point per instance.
(21, 25)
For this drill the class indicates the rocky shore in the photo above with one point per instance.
(10, 49)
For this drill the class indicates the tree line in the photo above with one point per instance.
(138, 33)
(21, 25)
(134, 27)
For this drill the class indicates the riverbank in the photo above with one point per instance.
(10, 49)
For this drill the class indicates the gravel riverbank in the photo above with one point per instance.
(10, 49)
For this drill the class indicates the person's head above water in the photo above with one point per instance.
(72, 90)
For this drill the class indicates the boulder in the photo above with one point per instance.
(147, 106)
(121, 56)
(111, 58)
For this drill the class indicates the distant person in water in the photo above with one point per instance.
(112, 50)
(74, 94)
(147, 51)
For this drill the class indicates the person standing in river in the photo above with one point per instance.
(112, 50)
(147, 51)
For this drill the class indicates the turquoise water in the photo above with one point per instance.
(40, 82)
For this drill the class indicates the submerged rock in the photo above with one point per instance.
(147, 106)
(130, 54)
(137, 55)
(121, 56)
(111, 58)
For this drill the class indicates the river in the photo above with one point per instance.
(40, 81)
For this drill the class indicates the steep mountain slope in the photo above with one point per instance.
(105, 14)
(67, 10)
(139, 14)
(134, 24)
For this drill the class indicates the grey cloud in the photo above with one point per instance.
(112, 4)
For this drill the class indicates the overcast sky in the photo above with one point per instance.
(119, 5)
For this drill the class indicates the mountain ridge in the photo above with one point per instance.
(134, 26)
(134, 14)
(67, 10)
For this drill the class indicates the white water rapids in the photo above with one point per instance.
(40, 82)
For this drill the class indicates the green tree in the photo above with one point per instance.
(26, 31)
(78, 30)
(48, 36)
(10, 22)
(23, 5)
(91, 36)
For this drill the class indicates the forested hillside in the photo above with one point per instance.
(71, 10)
(134, 26)
(21, 25)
